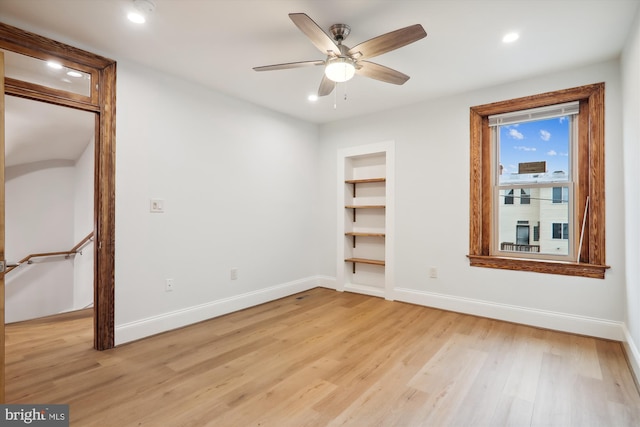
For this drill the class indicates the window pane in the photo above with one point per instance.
(560, 194)
(550, 234)
(525, 197)
(33, 70)
(536, 151)
(508, 198)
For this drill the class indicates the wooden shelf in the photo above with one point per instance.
(364, 261)
(355, 233)
(364, 181)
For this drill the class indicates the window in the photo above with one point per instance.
(560, 230)
(560, 194)
(527, 145)
(501, 167)
(508, 198)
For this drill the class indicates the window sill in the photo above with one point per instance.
(536, 266)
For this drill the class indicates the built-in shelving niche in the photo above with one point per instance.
(365, 216)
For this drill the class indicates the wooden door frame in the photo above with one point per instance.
(102, 102)
(2, 231)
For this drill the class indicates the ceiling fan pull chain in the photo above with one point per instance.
(335, 96)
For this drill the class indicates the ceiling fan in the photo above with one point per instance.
(343, 62)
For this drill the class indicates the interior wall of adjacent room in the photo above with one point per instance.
(39, 218)
(83, 219)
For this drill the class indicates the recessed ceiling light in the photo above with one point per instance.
(510, 37)
(136, 17)
(313, 97)
(141, 11)
(74, 74)
(54, 65)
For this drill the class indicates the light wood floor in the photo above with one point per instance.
(325, 358)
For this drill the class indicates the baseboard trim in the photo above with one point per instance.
(327, 282)
(582, 325)
(633, 355)
(149, 326)
(533, 317)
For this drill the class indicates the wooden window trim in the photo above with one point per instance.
(590, 183)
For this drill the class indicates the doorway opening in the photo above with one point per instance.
(99, 98)
(49, 209)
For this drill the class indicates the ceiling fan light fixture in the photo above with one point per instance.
(340, 69)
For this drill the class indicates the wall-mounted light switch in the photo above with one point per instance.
(156, 206)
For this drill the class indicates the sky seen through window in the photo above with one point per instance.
(541, 140)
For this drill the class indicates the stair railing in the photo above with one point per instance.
(75, 250)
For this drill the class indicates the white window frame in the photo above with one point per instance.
(504, 188)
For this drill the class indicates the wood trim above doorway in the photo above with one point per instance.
(101, 101)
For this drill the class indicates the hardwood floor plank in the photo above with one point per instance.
(447, 378)
(487, 389)
(555, 390)
(522, 382)
(512, 411)
(324, 358)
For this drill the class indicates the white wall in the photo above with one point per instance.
(631, 137)
(239, 185)
(39, 218)
(432, 212)
(83, 219)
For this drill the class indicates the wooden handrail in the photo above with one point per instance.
(72, 251)
(82, 242)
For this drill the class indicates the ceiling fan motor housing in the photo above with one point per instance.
(340, 32)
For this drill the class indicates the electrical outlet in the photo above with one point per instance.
(234, 273)
(168, 285)
(433, 273)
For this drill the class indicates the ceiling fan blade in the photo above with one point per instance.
(326, 86)
(288, 65)
(388, 42)
(380, 72)
(317, 36)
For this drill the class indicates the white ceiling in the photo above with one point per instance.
(37, 131)
(217, 43)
